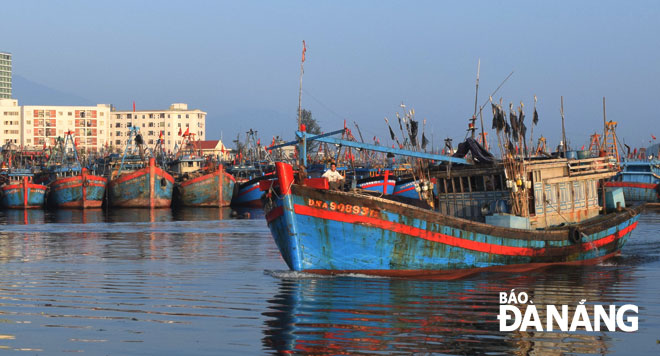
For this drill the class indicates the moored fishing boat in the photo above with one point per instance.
(248, 194)
(71, 185)
(201, 182)
(20, 192)
(325, 231)
(639, 180)
(136, 181)
(555, 219)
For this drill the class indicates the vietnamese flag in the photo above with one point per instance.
(187, 132)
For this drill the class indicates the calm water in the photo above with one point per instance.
(197, 282)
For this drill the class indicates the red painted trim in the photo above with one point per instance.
(249, 190)
(274, 214)
(376, 184)
(71, 179)
(25, 191)
(456, 274)
(126, 177)
(198, 179)
(447, 239)
(405, 190)
(81, 204)
(631, 185)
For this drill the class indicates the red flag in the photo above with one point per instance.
(653, 137)
(187, 132)
(179, 131)
(259, 142)
(133, 105)
(304, 50)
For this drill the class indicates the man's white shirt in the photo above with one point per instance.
(332, 176)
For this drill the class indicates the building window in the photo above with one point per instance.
(151, 133)
(151, 124)
(129, 116)
(118, 142)
(187, 116)
(69, 113)
(151, 116)
(151, 142)
(179, 116)
(118, 133)
(129, 125)
(117, 124)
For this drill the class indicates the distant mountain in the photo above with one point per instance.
(29, 92)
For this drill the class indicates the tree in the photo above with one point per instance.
(311, 127)
(310, 123)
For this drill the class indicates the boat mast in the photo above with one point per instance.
(303, 149)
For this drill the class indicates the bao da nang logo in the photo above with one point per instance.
(553, 317)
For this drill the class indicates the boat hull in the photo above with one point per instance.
(23, 195)
(249, 194)
(323, 231)
(149, 187)
(383, 184)
(80, 192)
(214, 189)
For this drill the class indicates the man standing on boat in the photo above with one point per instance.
(334, 178)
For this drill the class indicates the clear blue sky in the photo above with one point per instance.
(240, 60)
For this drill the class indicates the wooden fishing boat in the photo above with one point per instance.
(135, 183)
(639, 180)
(82, 190)
(325, 231)
(552, 216)
(20, 192)
(248, 194)
(71, 185)
(202, 183)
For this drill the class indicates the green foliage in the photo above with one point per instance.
(309, 122)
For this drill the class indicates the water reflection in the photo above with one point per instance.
(329, 316)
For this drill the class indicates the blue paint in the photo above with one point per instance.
(308, 242)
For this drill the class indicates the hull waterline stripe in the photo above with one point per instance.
(447, 239)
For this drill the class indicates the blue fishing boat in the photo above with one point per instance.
(327, 231)
(201, 182)
(383, 183)
(639, 180)
(19, 191)
(137, 181)
(248, 194)
(71, 185)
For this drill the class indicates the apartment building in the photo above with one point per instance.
(42, 124)
(5, 75)
(171, 123)
(10, 122)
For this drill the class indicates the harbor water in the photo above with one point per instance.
(202, 282)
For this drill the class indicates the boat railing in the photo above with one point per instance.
(591, 166)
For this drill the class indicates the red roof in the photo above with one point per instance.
(208, 145)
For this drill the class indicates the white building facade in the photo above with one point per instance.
(5, 75)
(42, 124)
(10, 122)
(171, 123)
